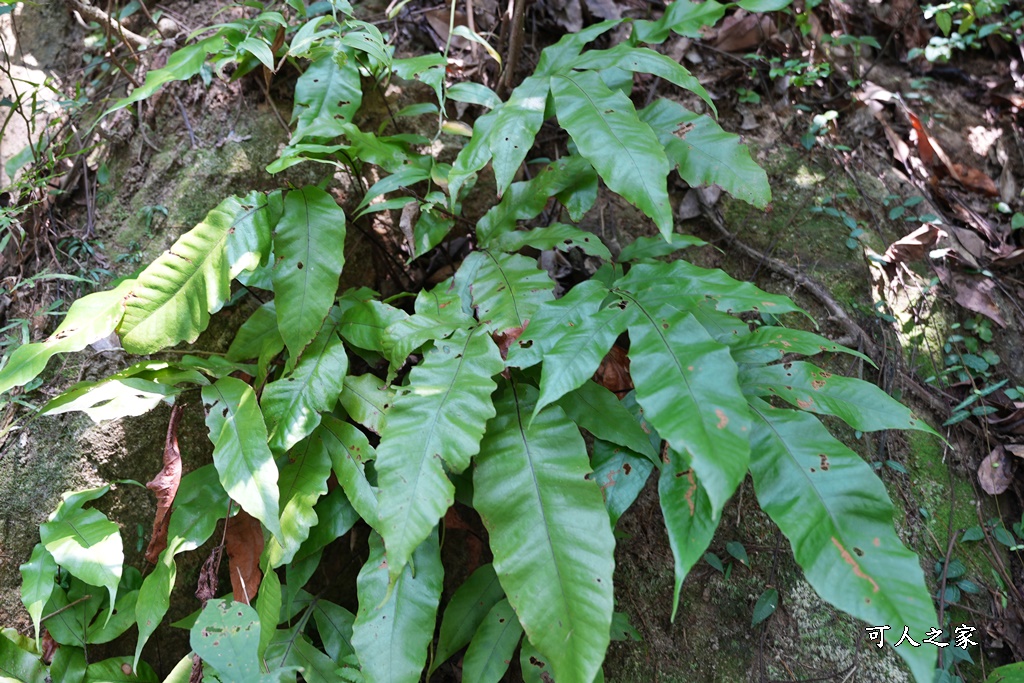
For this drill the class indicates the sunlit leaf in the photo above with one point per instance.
(240, 452)
(623, 149)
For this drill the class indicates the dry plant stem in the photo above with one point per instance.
(99, 16)
(515, 46)
(836, 313)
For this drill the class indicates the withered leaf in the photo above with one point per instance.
(995, 472)
(243, 541)
(165, 486)
(613, 373)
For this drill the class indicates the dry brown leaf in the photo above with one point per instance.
(1015, 449)
(165, 487)
(206, 586)
(996, 472)
(613, 373)
(243, 541)
(742, 31)
(505, 339)
(937, 160)
(973, 292)
(49, 647)
(913, 247)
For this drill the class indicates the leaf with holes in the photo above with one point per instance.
(292, 404)
(549, 532)
(555, 236)
(621, 474)
(553, 319)
(506, 289)
(839, 520)
(227, 636)
(514, 126)
(309, 244)
(860, 404)
(706, 154)
(327, 95)
(366, 399)
(686, 383)
(240, 453)
(438, 418)
(623, 149)
(395, 622)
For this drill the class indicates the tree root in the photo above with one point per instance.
(857, 336)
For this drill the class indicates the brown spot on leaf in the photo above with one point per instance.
(804, 405)
(857, 571)
(723, 419)
(824, 461)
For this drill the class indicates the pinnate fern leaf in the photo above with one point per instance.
(687, 384)
(839, 520)
(624, 150)
(396, 617)
(439, 418)
(549, 532)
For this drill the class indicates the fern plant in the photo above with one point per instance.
(484, 387)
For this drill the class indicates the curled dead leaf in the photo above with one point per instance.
(165, 486)
(243, 541)
(938, 161)
(995, 472)
(505, 339)
(913, 247)
(973, 292)
(613, 373)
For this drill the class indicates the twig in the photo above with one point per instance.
(188, 125)
(515, 46)
(99, 16)
(836, 313)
